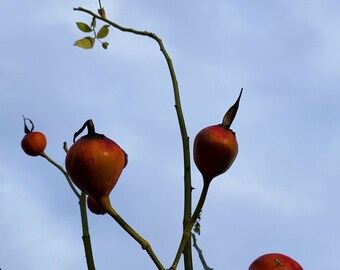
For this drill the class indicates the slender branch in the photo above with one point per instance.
(82, 205)
(184, 135)
(106, 205)
(100, 4)
(188, 229)
(200, 253)
(86, 235)
(64, 173)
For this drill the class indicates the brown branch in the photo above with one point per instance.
(200, 253)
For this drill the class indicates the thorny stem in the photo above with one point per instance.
(83, 213)
(185, 139)
(188, 229)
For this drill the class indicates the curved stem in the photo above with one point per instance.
(75, 191)
(106, 205)
(188, 229)
(184, 135)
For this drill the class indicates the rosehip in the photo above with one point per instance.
(275, 261)
(94, 163)
(216, 147)
(34, 142)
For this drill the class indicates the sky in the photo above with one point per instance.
(280, 195)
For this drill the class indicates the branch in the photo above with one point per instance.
(200, 253)
(83, 213)
(106, 205)
(63, 172)
(86, 235)
(184, 135)
(191, 223)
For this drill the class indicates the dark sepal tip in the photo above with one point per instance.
(26, 129)
(231, 113)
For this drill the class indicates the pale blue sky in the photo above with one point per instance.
(281, 194)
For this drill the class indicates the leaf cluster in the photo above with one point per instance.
(88, 41)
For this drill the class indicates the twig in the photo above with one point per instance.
(200, 253)
(188, 229)
(82, 205)
(63, 172)
(106, 205)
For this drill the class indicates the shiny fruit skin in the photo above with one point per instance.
(94, 207)
(215, 149)
(95, 165)
(34, 143)
(277, 261)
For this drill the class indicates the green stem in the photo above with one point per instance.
(180, 117)
(191, 223)
(106, 205)
(63, 171)
(86, 235)
(83, 213)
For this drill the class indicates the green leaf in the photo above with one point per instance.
(103, 32)
(84, 27)
(85, 43)
(105, 45)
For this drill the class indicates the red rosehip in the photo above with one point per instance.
(94, 163)
(275, 261)
(34, 142)
(216, 147)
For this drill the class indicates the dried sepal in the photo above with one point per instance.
(231, 113)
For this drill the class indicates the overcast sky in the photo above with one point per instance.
(281, 194)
